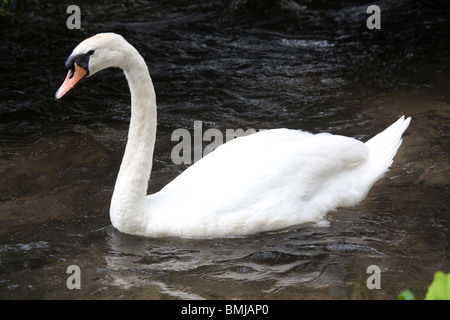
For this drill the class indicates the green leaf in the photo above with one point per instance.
(405, 295)
(439, 288)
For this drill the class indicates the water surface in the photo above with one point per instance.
(231, 64)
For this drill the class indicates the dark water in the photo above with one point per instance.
(244, 64)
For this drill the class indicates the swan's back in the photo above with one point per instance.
(268, 180)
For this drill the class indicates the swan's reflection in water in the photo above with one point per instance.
(278, 264)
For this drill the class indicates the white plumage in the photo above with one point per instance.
(268, 180)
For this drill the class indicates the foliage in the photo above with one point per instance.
(406, 295)
(439, 289)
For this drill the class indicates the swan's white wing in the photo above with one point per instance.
(264, 180)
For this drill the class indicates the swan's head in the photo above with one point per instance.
(96, 53)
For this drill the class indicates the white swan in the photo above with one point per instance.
(265, 181)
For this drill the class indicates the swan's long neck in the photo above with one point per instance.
(128, 201)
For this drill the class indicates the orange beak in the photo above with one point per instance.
(72, 79)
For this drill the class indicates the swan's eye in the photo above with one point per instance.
(90, 52)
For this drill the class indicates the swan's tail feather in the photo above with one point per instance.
(383, 147)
